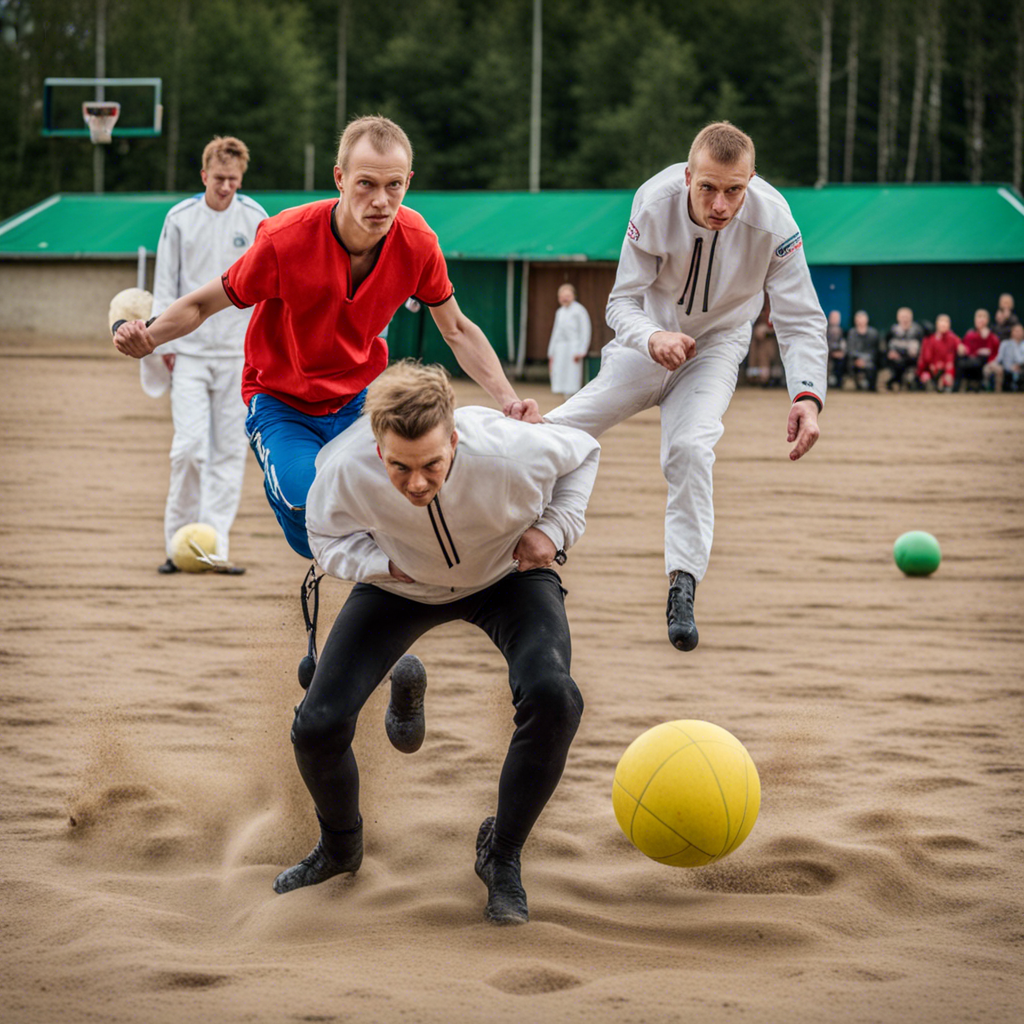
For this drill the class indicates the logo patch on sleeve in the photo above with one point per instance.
(633, 232)
(790, 245)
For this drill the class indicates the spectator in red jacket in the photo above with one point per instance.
(977, 348)
(937, 362)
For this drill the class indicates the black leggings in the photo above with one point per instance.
(523, 613)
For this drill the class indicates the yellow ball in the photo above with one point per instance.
(686, 793)
(183, 555)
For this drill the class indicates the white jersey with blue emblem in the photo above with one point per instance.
(675, 275)
(198, 244)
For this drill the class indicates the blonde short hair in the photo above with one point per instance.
(410, 399)
(224, 148)
(724, 143)
(382, 132)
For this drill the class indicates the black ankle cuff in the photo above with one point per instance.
(503, 849)
(339, 831)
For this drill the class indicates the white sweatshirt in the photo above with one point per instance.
(506, 477)
(674, 275)
(196, 245)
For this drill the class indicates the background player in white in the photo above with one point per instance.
(706, 239)
(439, 516)
(569, 342)
(202, 237)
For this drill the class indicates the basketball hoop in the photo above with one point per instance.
(101, 118)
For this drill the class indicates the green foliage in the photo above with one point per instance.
(625, 85)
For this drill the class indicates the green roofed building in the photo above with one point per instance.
(936, 248)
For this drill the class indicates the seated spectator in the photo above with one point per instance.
(836, 337)
(862, 352)
(1005, 318)
(937, 363)
(903, 343)
(1004, 372)
(977, 348)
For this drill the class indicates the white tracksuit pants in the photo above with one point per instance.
(693, 400)
(209, 449)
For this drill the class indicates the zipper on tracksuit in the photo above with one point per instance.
(694, 275)
(437, 532)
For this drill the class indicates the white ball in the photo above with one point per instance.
(184, 555)
(130, 304)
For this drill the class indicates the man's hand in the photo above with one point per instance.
(671, 350)
(133, 339)
(398, 574)
(523, 409)
(534, 550)
(802, 427)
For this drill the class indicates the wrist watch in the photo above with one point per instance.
(561, 557)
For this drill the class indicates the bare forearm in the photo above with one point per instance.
(184, 315)
(475, 355)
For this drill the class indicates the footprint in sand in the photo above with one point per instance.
(532, 979)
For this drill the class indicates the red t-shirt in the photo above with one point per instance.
(938, 350)
(311, 343)
(974, 343)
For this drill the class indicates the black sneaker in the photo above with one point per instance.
(167, 568)
(321, 865)
(405, 720)
(682, 630)
(506, 898)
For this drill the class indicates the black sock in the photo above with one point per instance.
(503, 849)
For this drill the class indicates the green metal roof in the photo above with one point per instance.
(842, 224)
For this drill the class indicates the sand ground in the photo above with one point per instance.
(149, 795)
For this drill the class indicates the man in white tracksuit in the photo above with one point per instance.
(440, 516)
(705, 241)
(202, 237)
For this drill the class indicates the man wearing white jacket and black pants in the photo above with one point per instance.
(705, 241)
(202, 237)
(438, 516)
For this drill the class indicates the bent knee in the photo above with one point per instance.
(557, 698)
(317, 729)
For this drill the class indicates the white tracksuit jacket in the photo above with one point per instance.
(506, 477)
(196, 245)
(677, 276)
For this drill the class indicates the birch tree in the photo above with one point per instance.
(922, 26)
(852, 69)
(824, 91)
(938, 45)
(1017, 111)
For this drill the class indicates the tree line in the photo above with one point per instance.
(830, 90)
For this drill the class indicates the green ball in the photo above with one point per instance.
(917, 553)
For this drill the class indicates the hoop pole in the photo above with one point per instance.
(98, 152)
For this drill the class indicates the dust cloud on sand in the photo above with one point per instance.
(149, 793)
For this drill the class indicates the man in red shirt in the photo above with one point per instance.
(938, 355)
(977, 348)
(325, 279)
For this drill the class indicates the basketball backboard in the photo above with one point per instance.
(141, 112)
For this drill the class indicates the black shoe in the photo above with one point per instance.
(404, 720)
(506, 898)
(682, 630)
(233, 570)
(167, 568)
(321, 865)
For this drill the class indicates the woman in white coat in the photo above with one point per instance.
(570, 341)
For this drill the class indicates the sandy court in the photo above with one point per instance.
(149, 793)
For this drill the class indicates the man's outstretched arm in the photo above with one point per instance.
(181, 317)
(475, 355)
